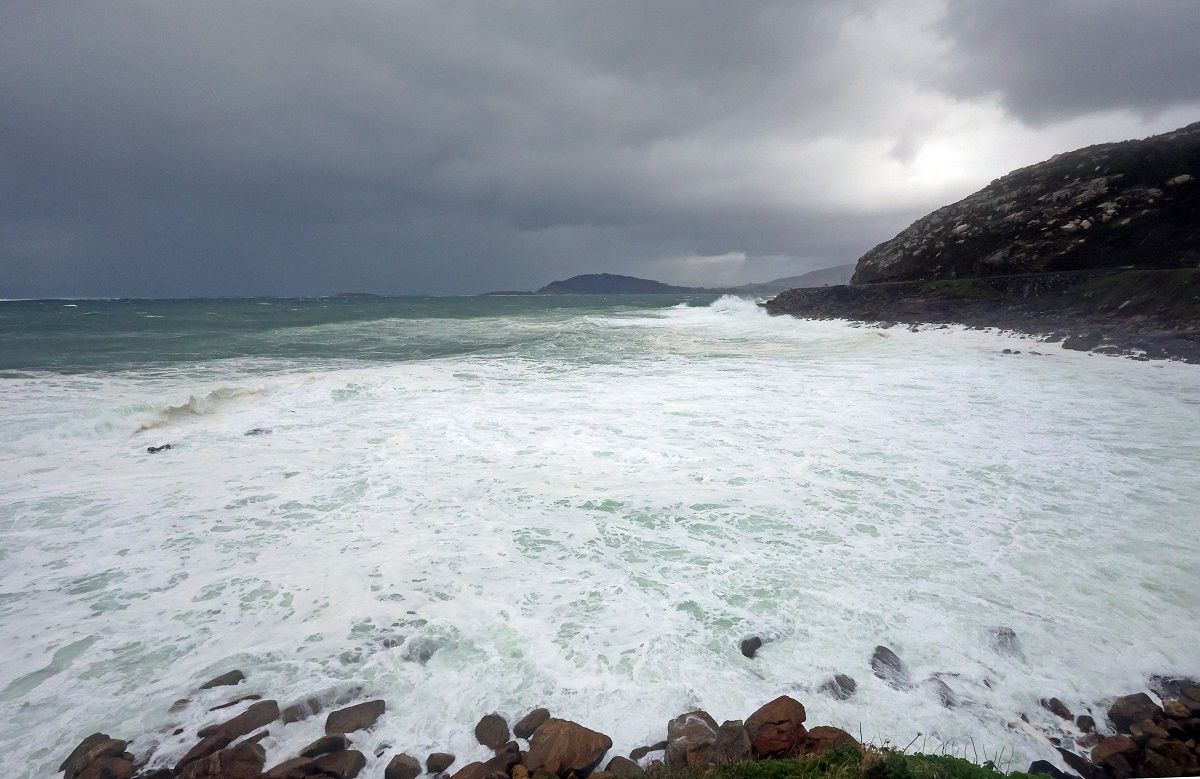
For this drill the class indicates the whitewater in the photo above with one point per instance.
(465, 506)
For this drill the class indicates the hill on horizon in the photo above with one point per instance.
(617, 284)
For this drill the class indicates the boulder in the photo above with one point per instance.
(224, 680)
(245, 761)
(474, 770)
(1110, 746)
(640, 752)
(1048, 768)
(1147, 729)
(109, 767)
(1129, 709)
(296, 768)
(343, 765)
(530, 722)
(157, 449)
(1004, 641)
(732, 744)
(947, 696)
(623, 767)
(824, 738)
(888, 666)
(751, 645)
(301, 711)
(95, 746)
(1055, 707)
(326, 745)
(561, 746)
(1079, 764)
(438, 762)
(1085, 723)
(839, 686)
(492, 731)
(690, 738)
(402, 766)
(777, 729)
(236, 701)
(253, 718)
(357, 717)
(507, 756)
(1165, 757)
(204, 748)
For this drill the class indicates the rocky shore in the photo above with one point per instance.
(1132, 735)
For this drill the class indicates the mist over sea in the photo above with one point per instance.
(472, 504)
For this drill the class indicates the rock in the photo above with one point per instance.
(1183, 178)
(640, 752)
(157, 449)
(253, 718)
(301, 711)
(224, 680)
(492, 731)
(295, 768)
(1084, 342)
(1179, 708)
(245, 761)
(561, 746)
(947, 696)
(824, 738)
(690, 738)
(530, 722)
(474, 770)
(157, 773)
(623, 767)
(1055, 707)
(236, 701)
(1088, 740)
(732, 744)
(1164, 757)
(358, 717)
(108, 767)
(438, 762)
(342, 765)
(1130, 709)
(1004, 641)
(1048, 768)
(890, 668)
(402, 766)
(1079, 764)
(520, 772)
(258, 431)
(204, 748)
(94, 746)
(1085, 723)
(777, 729)
(751, 645)
(838, 686)
(507, 756)
(1112, 745)
(326, 745)
(1147, 729)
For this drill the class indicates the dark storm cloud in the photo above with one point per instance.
(226, 148)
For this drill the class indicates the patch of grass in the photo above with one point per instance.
(1170, 292)
(968, 289)
(871, 763)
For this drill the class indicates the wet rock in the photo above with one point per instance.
(777, 729)
(343, 765)
(751, 645)
(1085, 723)
(1176, 687)
(208, 746)
(492, 731)
(326, 745)
(947, 696)
(257, 431)
(1110, 746)
(253, 718)
(438, 762)
(520, 772)
(888, 666)
(236, 701)
(94, 746)
(530, 722)
(245, 761)
(1165, 757)
(1088, 740)
(1055, 707)
(732, 744)
(623, 767)
(1147, 729)
(824, 738)
(224, 680)
(640, 752)
(1048, 768)
(402, 766)
(474, 770)
(1079, 764)
(839, 686)
(118, 767)
(157, 449)
(507, 756)
(358, 717)
(158, 773)
(561, 746)
(690, 738)
(1084, 342)
(301, 711)
(1129, 709)
(295, 768)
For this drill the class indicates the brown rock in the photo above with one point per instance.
(1056, 707)
(690, 739)
(520, 772)
(206, 747)
(343, 765)
(1079, 764)
(326, 745)
(253, 718)
(402, 766)
(1088, 740)
(107, 767)
(301, 711)
(623, 767)
(236, 701)
(824, 738)
(561, 746)
(474, 770)
(1178, 708)
(1085, 723)
(530, 722)
(492, 731)
(507, 756)
(438, 762)
(732, 744)
(1111, 746)
(600, 775)
(1146, 730)
(1119, 767)
(92, 748)
(1183, 761)
(640, 752)
(245, 761)
(296, 768)
(358, 717)
(1130, 709)
(777, 729)
(224, 680)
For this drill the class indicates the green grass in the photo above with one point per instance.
(1173, 292)
(847, 764)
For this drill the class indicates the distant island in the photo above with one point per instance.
(616, 284)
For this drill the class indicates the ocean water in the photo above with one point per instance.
(491, 504)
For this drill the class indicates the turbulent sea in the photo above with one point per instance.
(491, 504)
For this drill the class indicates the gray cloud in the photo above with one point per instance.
(227, 148)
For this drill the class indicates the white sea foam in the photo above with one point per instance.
(589, 515)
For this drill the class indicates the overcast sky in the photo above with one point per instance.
(204, 148)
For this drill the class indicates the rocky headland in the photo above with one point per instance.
(1100, 245)
(1132, 735)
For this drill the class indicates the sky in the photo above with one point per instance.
(297, 148)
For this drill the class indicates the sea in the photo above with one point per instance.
(468, 505)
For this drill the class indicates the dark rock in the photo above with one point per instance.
(1085, 342)
(1130, 709)
(623, 767)
(640, 752)
(301, 711)
(1079, 764)
(224, 680)
(295, 768)
(1048, 768)
(1147, 729)
(1176, 687)
(474, 770)
(244, 761)
(732, 744)
(108, 767)
(838, 686)
(1085, 723)
(824, 738)
(777, 729)
(530, 722)
(561, 746)
(947, 696)
(92, 747)
(157, 449)
(690, 738)
(157, 773)
(326, 745)
(1055, 707)
(1112, 745)
(438, 762)
(402, 766)
(258, 431)
(888, 666)
(253, 718)
(236, 701)
(342, 765)
(1165, 757)
(507, 756)
(492, 731)
(358, 717)
(208, 746)
(751, 645)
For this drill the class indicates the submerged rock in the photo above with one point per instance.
(326, 745)
(253, 718)
(257, 431)
(750, 646)
(1004, 641)
(888, 666)
(1056, 707)
(157, 449)
(838, 686)
(224, 680)
(777, 729)
(947, 696)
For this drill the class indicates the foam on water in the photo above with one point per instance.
(588, 511)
